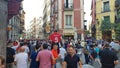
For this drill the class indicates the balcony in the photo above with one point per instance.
(68, 7)
(117, 3)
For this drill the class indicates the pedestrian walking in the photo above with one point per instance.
(97, 59)
(80, 53)
(45, 57)
(10, 55)
(27, 50)
(55, 55)
(86, 54)
(108, 58)
(21, 59)
(62, 54)
(71, 60)
(33, 62)
(93, 53)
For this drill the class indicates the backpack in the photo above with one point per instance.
(93, 53)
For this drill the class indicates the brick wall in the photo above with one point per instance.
(77, 15)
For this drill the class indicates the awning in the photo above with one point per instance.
(68, 32)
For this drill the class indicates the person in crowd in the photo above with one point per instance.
(55, 54)
(15, 45)
(45, 57)
(10, 55)
(33, 57)
(115, 47)
(97, 59)
(21, 59)
(2, 62)
(86, 53)
(63, 53)
(56, 38)
(26, 48)
(93, 53)
(71, 60)
(80, 53)
(107, 57)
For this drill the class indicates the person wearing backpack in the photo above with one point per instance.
(93, 53)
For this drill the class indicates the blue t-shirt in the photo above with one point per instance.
(33, 63)
(97, 50)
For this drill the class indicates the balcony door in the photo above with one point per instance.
(68, 3)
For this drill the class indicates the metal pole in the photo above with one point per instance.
(3, 24)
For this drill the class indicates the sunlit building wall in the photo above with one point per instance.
(36, 29)
(39, 29)
(22, 21)
(93, 22)
(33, 28)
(105, 10)
(67, 17)
(46, 17)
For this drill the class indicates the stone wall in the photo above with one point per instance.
(3, 24)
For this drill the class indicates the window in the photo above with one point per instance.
(106, 6)
(107, 18)
(68, 3)
(68, 20)
(118, 13)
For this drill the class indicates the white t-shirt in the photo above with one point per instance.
(116, 46)
(112, 43)
(62, 52)
(22, 60)
(15, 48)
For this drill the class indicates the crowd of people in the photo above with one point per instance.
(68, 53)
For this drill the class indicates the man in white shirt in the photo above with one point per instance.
(21, 59)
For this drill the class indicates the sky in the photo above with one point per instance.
(33, 8)
(87, 10)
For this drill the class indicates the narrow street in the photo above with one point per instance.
(58, 28)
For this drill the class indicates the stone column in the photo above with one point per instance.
(3, 24)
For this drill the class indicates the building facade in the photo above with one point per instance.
(67, 16)
(117, 10)
(93, 22)
(105, 10)
(22, 22)
(39, 28)
(33, 28)
(46, 17)
(15, 20)
(36, 30)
